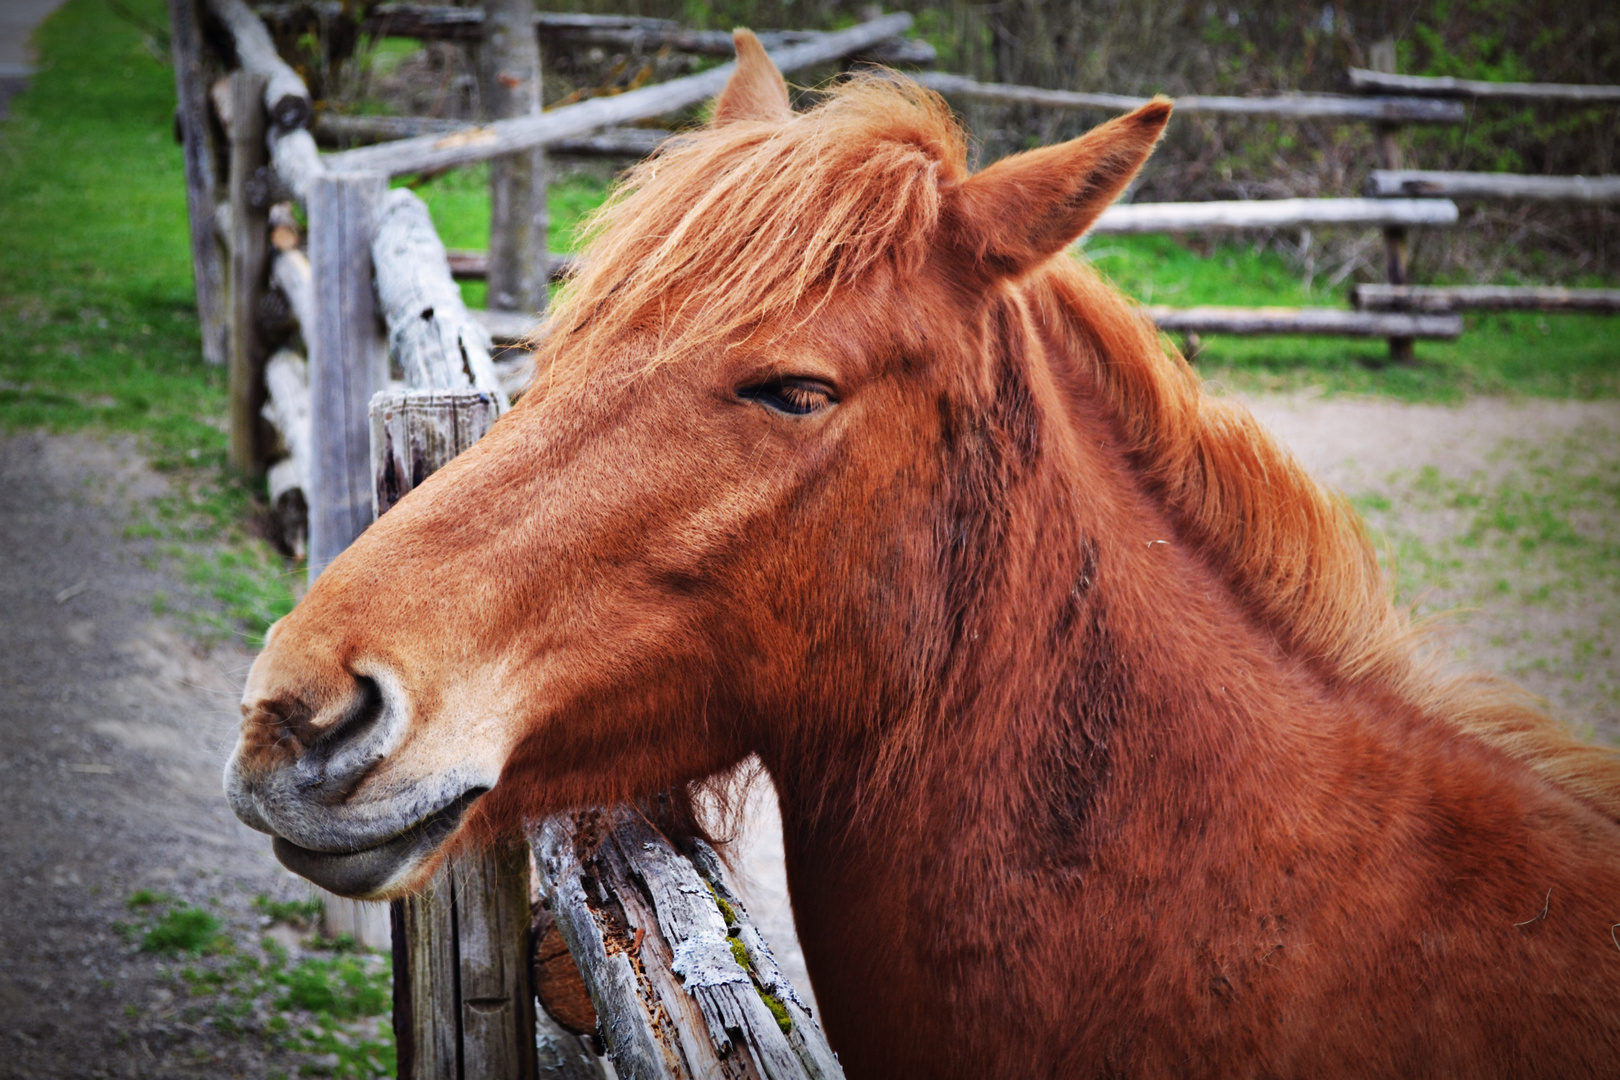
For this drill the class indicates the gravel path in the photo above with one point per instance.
(114, 727)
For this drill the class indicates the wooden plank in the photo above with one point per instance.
(463, 1003)
(1444, 86)
(1270, 214)
(1445, 299)
(1407, 183)
(619, 142)
(1340, 107)
(675, 997)
(523, 133)
(509, 86)
(285, 95)
(250, 263)
(1327, 322)
(197, 148)
(1397, 244)
(430, 333)
(346, 364)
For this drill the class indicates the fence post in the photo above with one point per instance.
(250, 266)
(463, 997)
(346, 363)
(509, 73)
(196, 134)
(1381, 57)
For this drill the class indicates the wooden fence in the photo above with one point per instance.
(396, 375)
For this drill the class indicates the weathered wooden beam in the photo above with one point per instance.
(290, 274)
(286, 409)
(1326, 322)
(684, 985)
(623, 32)
(1407, 183)
(285, 95)
(197, 148)
(466, 265)
(296, 161)
(1445, 299)
(1341, 107)
(431, 152)
(509, 86)
(436, 343)
(506, 327)
(1270, 214)
(621, 142)
(346, 363)
(1444, 86)
(250, 260)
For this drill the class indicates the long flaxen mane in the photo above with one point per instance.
(747, 228)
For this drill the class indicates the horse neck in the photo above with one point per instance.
(1097, 654)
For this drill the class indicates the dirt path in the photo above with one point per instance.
(113, 732)
(114, 728)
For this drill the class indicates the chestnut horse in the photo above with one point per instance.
(1100, 747)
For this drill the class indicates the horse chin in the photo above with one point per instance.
(384, 870)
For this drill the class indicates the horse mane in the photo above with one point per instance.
(747, 228)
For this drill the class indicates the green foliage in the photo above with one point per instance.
(173, 928)
(300, 914)
(342, 987)
(97, 307)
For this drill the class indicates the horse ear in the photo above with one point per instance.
(756, 90)
(1024, 209)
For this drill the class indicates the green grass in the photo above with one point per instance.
(1540, 355)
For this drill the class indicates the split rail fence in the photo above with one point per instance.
(642, 948)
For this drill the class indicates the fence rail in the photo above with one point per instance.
(1444, 299)
(1248, 215)
(1406, 183)
(1444, 86)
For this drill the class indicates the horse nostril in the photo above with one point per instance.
(339, 757)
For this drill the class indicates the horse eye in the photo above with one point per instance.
(795, 397)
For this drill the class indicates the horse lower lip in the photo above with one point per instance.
(370, 870)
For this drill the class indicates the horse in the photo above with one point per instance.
(1100, 746)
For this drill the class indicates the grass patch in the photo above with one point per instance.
(97, 307)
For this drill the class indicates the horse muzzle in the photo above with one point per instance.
(338, 817)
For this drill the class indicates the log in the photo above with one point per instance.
(468, 265)
(1407, 183)
(509, 86)
(285, 95)
(1270, 214)
(1341, 107)
(415, 431)
(250, 261)
(1329, 322)
(296, 161)
(1444, 86)
(683, 984)
(346, 363)
(436, 343)
(286, 409)
(290, 274)
(1445, 299)
(429, 152)
(197, 147)
(620, 142)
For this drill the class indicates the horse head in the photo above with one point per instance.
(724, 519)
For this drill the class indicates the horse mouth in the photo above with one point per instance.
(372, 873)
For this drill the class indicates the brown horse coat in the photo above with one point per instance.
(1101, 750)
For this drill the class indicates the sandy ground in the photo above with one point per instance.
(114, 727)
